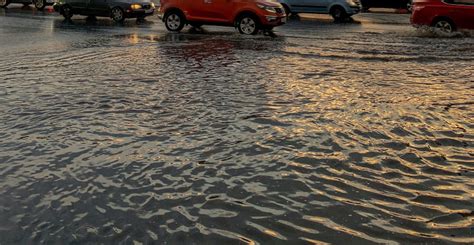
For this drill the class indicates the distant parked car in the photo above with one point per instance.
(392, 4)
(444, 15)
(248, 16)
(39, 4)
(338, 9)
(118, 10)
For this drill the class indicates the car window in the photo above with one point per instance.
(464, 2)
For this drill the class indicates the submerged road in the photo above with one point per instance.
(353, 133)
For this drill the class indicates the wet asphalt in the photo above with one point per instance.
(358, 132)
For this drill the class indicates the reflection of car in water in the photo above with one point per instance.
(393, 4)
(118, 10)
(39, 4)
(339, 9)
(444, 15)
(248, 16)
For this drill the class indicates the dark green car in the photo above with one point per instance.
(118, 10)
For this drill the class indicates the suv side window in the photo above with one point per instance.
(461, 2)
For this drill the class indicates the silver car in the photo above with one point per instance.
(338, 9)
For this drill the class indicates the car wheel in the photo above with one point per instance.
(248, 25)
(338, 13)
(66, 11)
(409, 5)
(39, 4)
(117, 15)
(444, 26)
(4, 3)
(174, 21)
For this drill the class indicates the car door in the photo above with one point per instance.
(463, 14)
(78, 5)
(220, 10)
(309, 6)
(209, 10)
(99, 7)
(197, 10)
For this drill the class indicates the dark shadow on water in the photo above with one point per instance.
(28, 11)
(203, 47)
(91, 22)
(294, 17)
(322, 21)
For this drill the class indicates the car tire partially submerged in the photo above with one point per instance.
(444, 26)
(117, 14)
(248, 24)
(174, 21)
(338, 13)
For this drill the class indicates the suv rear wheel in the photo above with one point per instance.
(4, 3)
(174, 21)
(444, 26)
(248, 24)
(39, 4)
(338, 13)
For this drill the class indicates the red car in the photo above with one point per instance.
(248, 16)
(444, 15)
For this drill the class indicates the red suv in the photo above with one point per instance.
(444, 15)
(248, 16)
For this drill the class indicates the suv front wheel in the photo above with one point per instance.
(174, 21)
(338, 13)
(248, 24)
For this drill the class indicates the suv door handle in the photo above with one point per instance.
(207, 1)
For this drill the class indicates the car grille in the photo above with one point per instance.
(279, 10)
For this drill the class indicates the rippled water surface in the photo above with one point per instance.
(326, 134)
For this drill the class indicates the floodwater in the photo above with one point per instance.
(328, 133)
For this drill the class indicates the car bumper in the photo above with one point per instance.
(139, 13)
(354, 10)
(274, 20)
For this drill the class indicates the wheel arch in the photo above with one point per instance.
(172, 10)
(116, 6)
(286, 5)
(441, 17)
(337, 5)
(246, 12)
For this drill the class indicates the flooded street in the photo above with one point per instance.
(328, 133)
